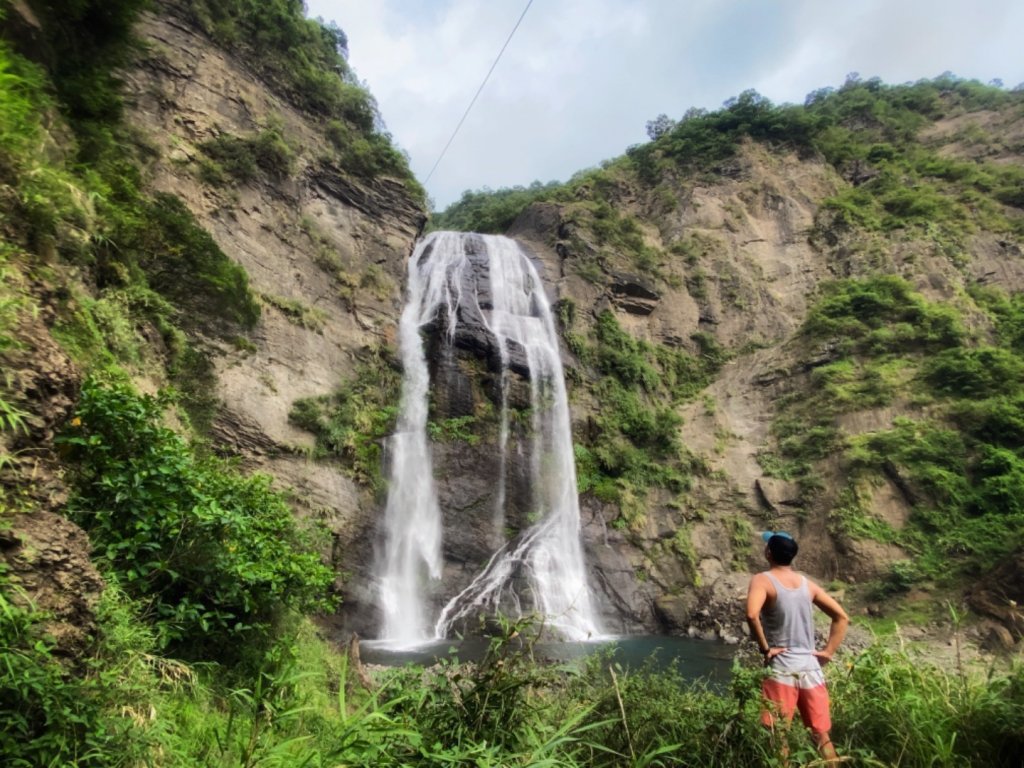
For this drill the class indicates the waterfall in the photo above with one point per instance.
(412, 518)
(542, 569)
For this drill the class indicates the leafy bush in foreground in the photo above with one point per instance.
(299, 704)
(212, 553)
(49, 716)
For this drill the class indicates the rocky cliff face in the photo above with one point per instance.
(327, 255)
(325, 252)
(756, 258)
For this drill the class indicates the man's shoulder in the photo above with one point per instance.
(811, 583)
(762, 581)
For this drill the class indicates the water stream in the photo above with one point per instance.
(542, 569)
(694, 659)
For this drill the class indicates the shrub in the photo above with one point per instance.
(182, 262)
(490, 211)
(904, 710)
(85, 43)
(22, 101)
(1007, 313)
(623, 357)
(996, 420)
(864, 312)
(976, 373)
(242, 158)
(969, 498)
(304, 60)
(660, 716)
(214, 554)
(633, 443)
(52, 714)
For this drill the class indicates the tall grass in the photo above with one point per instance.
(901, 709)
(297, 703)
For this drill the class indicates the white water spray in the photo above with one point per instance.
(547, 557)
(412, 519)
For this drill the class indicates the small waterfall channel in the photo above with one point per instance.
(542, 568)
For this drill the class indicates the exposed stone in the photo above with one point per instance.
(332, 243)
(1000, 594)
(674, 611)
(46, 557)
(633, 294)
(539, 217)
(775, 493)
(997, 638)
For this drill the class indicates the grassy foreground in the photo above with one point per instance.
(295, 702)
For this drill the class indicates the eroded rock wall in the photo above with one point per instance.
(324, 250)
(756, 258)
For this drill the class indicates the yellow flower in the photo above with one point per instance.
(76, 422)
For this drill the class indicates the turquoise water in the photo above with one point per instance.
(696, 659)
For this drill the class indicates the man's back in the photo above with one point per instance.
(788, 621)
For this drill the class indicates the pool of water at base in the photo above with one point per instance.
(696, 659)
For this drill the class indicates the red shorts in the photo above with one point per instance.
(806, 692)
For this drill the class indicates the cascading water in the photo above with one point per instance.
(412, 519)
(542, 569)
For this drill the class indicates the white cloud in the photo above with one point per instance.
(581, 77)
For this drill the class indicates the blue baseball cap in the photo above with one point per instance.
(781, 545)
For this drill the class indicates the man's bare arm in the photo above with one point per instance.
(757, 594)
(840, 621)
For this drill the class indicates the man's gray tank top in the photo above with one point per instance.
(789, 623)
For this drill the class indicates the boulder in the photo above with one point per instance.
(675, 611)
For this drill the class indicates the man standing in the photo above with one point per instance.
(781, 622)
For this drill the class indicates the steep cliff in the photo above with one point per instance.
(805, 301)
(324, 251)
(209, 228)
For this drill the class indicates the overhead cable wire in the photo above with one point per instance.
(478, 91)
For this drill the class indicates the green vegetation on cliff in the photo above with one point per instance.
(152, 265)
(916, 172)
(353, 423)
(866, 130)
(304, 60)
(106, 280)
(633, 443)
(955, 455)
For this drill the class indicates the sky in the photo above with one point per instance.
(581, 78)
